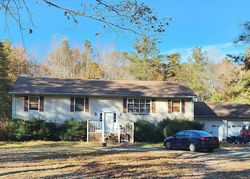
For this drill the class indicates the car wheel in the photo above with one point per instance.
(210, 149)
(192, 147)
(168, 145)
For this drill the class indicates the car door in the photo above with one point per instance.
(186, 139)
(178, 141)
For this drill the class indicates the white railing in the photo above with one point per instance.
(125, 131)
(94, 126)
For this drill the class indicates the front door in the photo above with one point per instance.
(109, 121)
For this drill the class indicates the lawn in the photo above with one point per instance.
(39, 159)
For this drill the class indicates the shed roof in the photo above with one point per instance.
(202, 109)
(56, 86)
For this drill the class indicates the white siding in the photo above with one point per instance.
(58, 109)
(223, 128)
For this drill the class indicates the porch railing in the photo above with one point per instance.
(125, 131)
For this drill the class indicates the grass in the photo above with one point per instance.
(50, 144)
(148, 145)
(232, 146)
(45, 159)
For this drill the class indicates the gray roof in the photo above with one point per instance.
(202, 109)
(56, 86)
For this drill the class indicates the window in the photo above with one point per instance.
(213, 126)
(176, 106)
(139, 106)
(180, 134)
(114, 117)
(100, 117)
(33, 103)
(79, 104)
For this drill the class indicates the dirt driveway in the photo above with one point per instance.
(59, 161)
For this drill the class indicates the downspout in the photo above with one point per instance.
(194, 100)
(14, 101)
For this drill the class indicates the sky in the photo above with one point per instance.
(210, 24)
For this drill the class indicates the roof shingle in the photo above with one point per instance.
(202, 109)
(56, 86)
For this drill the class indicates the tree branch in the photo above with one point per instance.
(77, 13)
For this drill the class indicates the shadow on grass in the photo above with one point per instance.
(228, 174)
(44, 144)
(35, 170)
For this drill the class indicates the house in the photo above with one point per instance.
(222, 119)
(110, 107)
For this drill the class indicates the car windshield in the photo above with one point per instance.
(203, 134)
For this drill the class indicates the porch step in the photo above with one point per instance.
(112, 139)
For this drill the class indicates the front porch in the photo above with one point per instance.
(100, 131)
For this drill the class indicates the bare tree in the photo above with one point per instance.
(126, 15)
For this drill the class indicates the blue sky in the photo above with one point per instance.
(211, 24)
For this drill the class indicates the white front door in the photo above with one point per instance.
(109, 121)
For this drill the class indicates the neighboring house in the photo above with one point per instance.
(223, 119)
(110, 107)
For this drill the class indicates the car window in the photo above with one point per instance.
(203, 134)
(190, 134)
(180, 134)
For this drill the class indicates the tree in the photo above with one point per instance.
(195, 74)
(244, 37)
(92, 69)
(172, 67)
(240, 84)
(146, 47)
(219, 80)
(61, 62)
(146, 61)
(67, 62)
(115, 66)
(5, 81)
(131, 16)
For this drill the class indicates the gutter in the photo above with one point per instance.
(96, 95)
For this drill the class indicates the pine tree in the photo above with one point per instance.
(5, 82)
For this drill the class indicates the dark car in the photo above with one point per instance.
(193, 140)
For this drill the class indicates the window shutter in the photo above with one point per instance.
(124, 105)
(72, 107)
(183, 106)
(169, 106)
(26, 103)
(41, 109)
(86, 104)
(153, 106)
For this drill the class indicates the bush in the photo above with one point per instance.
(37, 129)
(33, 129)
(169, 127)
(146, 131)
(74, 130)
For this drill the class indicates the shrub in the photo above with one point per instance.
(145, 131)
(169, 127)
(37, 129)
(33, 129)
(74, 130)
(15, 130)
